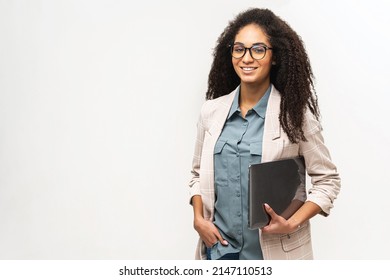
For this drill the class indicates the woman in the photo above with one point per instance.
(261, 107)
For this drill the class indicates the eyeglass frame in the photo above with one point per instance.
(250, 50)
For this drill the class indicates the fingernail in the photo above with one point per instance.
(225, 242)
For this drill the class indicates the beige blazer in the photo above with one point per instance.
(325, 179)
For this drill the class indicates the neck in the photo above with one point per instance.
(251, 94)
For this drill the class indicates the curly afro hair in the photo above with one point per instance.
(292, 75)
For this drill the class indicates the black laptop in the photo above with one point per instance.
(275, 183)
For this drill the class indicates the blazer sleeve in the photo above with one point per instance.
(194, 183)
(325, 178)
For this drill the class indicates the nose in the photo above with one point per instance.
(247, 58)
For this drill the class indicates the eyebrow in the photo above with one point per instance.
(254, 44)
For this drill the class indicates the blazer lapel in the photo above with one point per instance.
(272, 144)
(272, 123)
(221, 114)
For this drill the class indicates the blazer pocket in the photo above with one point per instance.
(296, 239)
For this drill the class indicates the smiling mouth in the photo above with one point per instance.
(248, 68)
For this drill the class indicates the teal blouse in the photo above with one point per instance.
(239, 145)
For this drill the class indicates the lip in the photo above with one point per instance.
(248, 69)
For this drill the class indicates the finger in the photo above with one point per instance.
(270, 211)
(210, 237)
(210, 244)
(266, 228)
(210, 240)
(220, 238)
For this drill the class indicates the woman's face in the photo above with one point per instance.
(250, 70)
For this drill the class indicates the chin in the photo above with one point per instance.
(247, 80)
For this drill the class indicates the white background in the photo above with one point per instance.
(98, 108)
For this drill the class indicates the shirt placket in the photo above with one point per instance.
(238, 190)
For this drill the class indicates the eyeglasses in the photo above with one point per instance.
(257, 51)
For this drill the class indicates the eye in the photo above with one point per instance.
(238, 49)
(258, 50)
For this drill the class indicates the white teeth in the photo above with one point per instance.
(248, 68)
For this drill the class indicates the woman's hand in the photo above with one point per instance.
(208, 232)
(278, 224)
